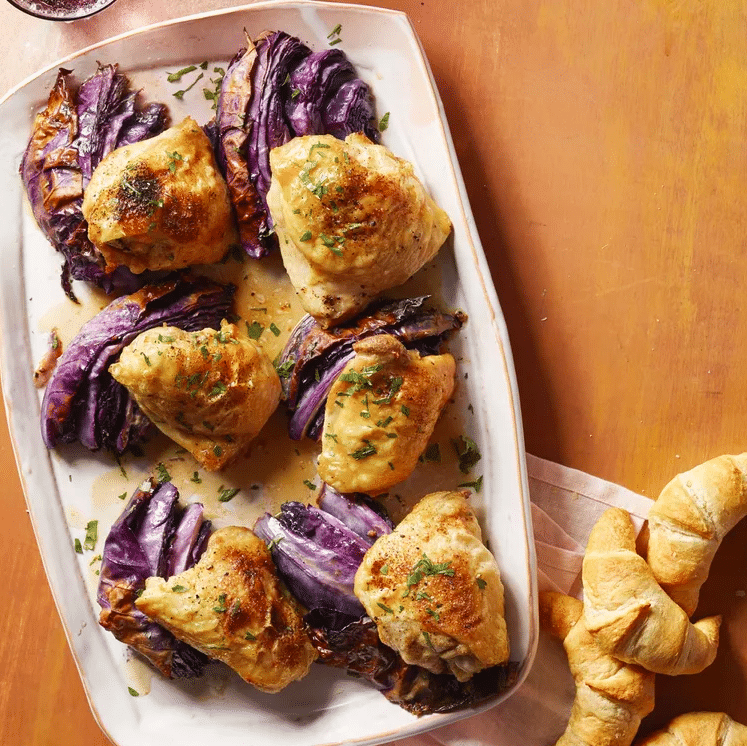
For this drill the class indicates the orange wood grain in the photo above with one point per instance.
(603, 149)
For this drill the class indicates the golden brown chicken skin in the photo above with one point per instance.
(352, 220)
(435, 591)
(380, 414)
(210, 391)
(160, 203)
(233, 608)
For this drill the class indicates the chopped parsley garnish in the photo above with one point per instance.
(221, 608)
(360, 379)
(122, 496)
(162, 474)
(384, 570)
(284, 369)
(428, 642)
(218, 451)
(481, 584)
(384, 423)
(476, 485)
(395, 383)
(180, 94)
(165, 339)
(467, 451)
(364, 451)
(384, 607)
(425, 567)
(434, 614)
(78, 546)
(249, 636)
(274, 329)
(133, 692)
(405, 410)
(254, 330)
(145, 357)
(228, 493)
(432, 453)
(175, 77)
(335, 31)
(305, 236)
(384, 122)
(178, 588)
(92, 535)
(195, 478)
(217, 390)
(309, 484)
(174, 158)
(236, 608)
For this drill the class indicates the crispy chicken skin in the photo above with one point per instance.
(380, 413)
(233, 608)
(434, 590)
(352, 220)
(160, 203)
(210, 391)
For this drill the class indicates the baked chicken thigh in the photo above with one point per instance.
(435, 591)
(232, 606)
(380, 414)
(210, 391)
(160, 203)
(352, 220)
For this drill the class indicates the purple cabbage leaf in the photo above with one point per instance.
(82, 402)
(313, 357)
(68, 140)
(151, 538)
(273, 90)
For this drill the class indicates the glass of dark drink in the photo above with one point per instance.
(61, 10)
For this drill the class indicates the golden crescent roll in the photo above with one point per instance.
(628, 613)
(699, 729)
(689, 519)
(611, 696)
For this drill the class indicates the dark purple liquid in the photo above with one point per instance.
(62, 9)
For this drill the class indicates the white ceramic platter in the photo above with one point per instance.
(64, 489)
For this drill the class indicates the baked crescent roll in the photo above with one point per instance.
(689, 519)
(628, 613)
(699, 729)
(611, 696)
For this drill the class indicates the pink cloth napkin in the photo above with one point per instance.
(566, 503)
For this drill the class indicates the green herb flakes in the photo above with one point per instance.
(180, 94)
(221, 608)
(162, 474)
(425, 567)
(305, 236)
(177, 76)
(122, 496)
(195, 478)
(249, 636)
(384, 607)
(309, 484)
(384, 122)
(285, 369)
(428, 642)
(481, 584)
(217, 450)
(178, 589)
(92, 535)
(254, 330)
(228, 493)
(218, 389)
(78, 546)
(384, 570)
(274, 329)
(364, 451)
(467, 451)
(432, 453)
(476, 485)
(405, 410)
(133, 692)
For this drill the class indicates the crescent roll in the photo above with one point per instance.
(628, 613)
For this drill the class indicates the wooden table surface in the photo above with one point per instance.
(603, 149)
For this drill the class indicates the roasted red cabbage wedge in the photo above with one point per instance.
(82, 402)
(153, 536)
(353, 644)
(317, 554)
(273, 90)
(313, 357)
(68, 140)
